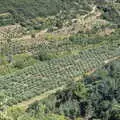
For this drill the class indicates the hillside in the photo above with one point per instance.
(35, 8)
(59, 59)
(96, 97)
(13, 11)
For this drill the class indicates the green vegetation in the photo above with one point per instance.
(17, 62)
(36, 8)
(6, 19)
(111, 11)
(67, 48)
(48, 75)
(97, 97)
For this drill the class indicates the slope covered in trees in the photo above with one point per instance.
(13, 11)
(51, 45)
(96, 97)
(24, 9)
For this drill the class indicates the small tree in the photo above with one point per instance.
(3, 101)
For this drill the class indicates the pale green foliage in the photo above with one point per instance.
(15, 111)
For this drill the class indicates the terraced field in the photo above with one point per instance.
(45, 76)
(33, 62)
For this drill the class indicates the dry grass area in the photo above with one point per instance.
(10, 31)
(9, 28)
(106, 31)
(36, 38)
(5, 14)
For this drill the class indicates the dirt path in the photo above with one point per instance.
(91, 12)
(82, 23)
(112, 59)
(26, 104)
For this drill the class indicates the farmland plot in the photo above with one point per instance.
(45, 76)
